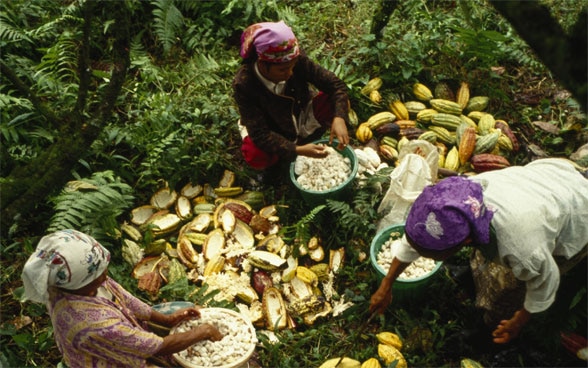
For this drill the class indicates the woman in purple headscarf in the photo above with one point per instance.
(523, 222)
(285, 100)
(96, 322)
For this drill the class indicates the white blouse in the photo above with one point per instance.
(541, 211)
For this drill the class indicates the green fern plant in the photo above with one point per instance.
(168, 22)
(92, 205)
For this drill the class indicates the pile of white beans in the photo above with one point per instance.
(238, 339)
(420, 267)
(321, 174)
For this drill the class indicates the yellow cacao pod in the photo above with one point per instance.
(469, 122)
(504, 143)
(486, 124)
(338, 363)
(390, 354)
(398, 109)
(422, 92)
(414, 107)
(353, 118)
(375, 96)
(452, 159)
(446, 106)
(364, 133)
(429, 136)
(469, 363)
(380, 118)
(424, 116)
(476, 115)
(372, 85)
(389, 338)
(463, 95)
(447, 121)
(389, 153)
(401, 142)
(441, 162)
(443, 134)
(371, 363)
(477, 103)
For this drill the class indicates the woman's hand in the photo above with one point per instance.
(509, 329)
(381, 299)
(312, 150)
(182, 315)
(180, 341)
(209, 332)
(339, 130)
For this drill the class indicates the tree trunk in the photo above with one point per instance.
(381, 18)
(28, 186)
(565, 56)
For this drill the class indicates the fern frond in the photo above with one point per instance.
(92, 210)
(9, 32)
(168, 22)
(48, 29)
(301, 231)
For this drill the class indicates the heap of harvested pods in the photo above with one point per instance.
(234, 348)
(420, 267)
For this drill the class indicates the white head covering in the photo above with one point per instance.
(67, 259)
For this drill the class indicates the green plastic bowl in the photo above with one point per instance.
(402, 289)
(339, 193)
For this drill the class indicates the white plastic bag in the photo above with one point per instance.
(417, 168)
(424, 149)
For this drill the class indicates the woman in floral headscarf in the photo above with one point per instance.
(96, 322)
(520, 220)
(285, 100)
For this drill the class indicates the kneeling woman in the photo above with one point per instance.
(97, 323)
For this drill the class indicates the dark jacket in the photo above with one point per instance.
(268, 116)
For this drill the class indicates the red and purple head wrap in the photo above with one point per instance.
(273, 42)
(446, 213)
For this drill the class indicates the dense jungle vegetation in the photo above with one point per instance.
(104, 102)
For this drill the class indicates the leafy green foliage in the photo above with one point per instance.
(175, 121)
(92, 205)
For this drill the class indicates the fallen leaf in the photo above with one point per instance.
(546, 126)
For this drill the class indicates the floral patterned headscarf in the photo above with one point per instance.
(273, 42)
(67, 259)
(446, 213)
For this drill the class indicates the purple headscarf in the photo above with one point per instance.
(273, 42)
(446, 213)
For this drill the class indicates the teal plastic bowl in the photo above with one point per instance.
(402, 289)
(339, 193)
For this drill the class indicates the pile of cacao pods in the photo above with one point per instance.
(469, 139)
